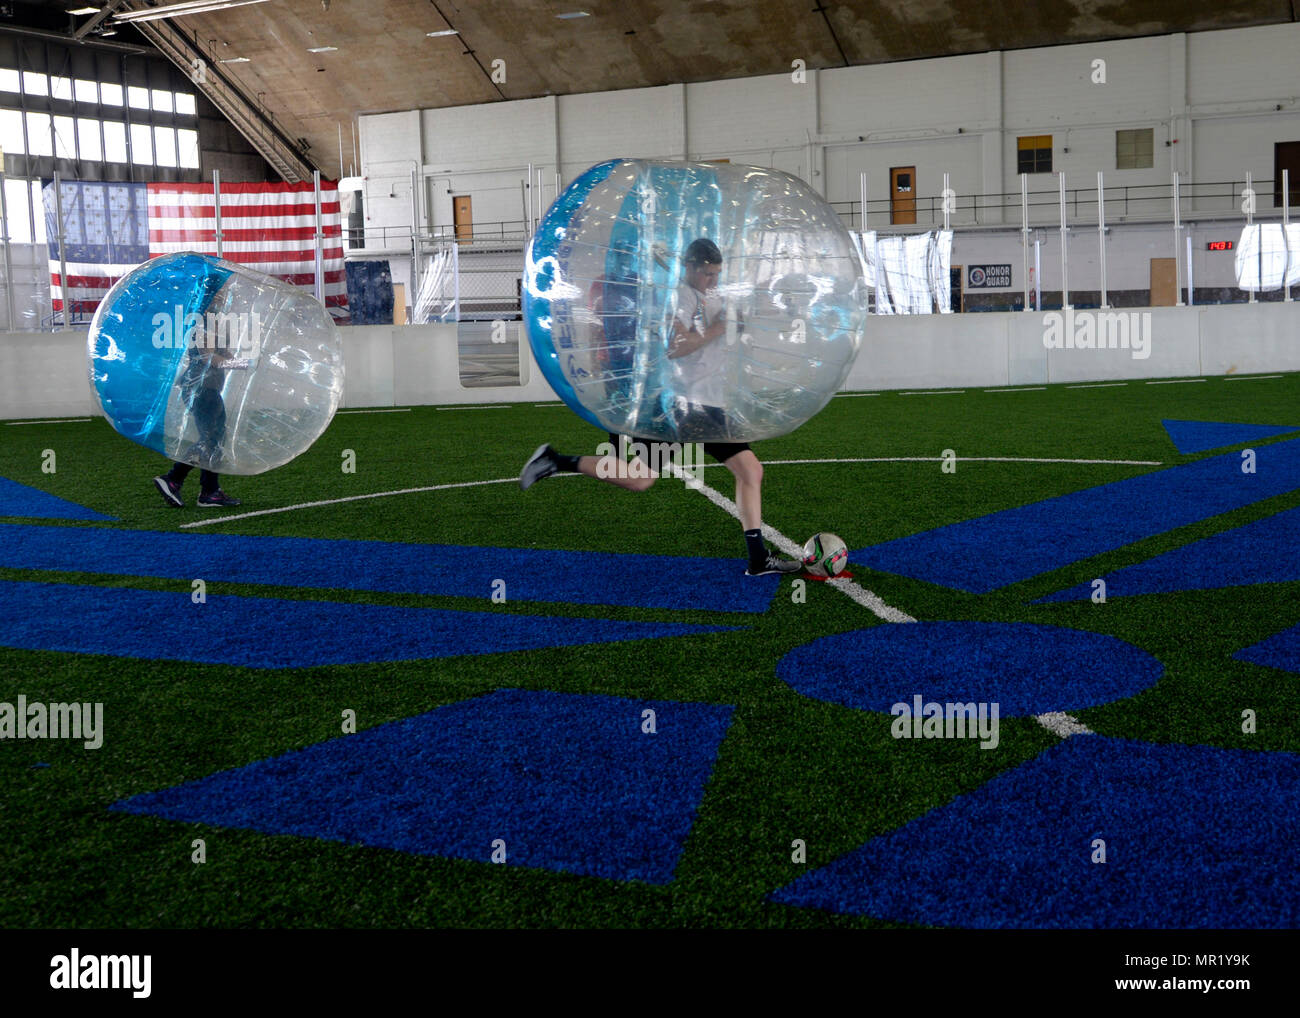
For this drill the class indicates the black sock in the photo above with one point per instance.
(757, 549)
(566, 464)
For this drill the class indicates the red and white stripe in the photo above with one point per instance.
(89, 282)
(268, 227)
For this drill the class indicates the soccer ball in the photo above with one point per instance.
(825, 555)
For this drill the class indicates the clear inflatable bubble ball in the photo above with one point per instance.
(213, 364)
(693, 302)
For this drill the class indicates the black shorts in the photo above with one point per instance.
(720, 451)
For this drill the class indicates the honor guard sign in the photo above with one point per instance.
(988, 277)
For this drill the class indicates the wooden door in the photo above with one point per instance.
(463, 216)
(1164, 282)
(1286, 156)
(399, 304)
(902, 195)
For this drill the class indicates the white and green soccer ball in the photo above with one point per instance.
(825, 555)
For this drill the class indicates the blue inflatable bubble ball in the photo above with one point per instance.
(693, 302)
(214, 364)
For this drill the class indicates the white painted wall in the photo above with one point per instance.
(44, 375)
(1212, 96)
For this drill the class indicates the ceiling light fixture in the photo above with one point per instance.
(234, 60)
(322, 49)
(180, 10)
(574, 14)
(445, 31)
(85, 10)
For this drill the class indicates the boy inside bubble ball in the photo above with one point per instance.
(699, 371)
(208, 360)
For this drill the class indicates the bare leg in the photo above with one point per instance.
(634, 476)
(748, 472)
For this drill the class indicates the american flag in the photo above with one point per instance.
(109, 229)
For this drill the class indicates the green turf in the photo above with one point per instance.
(789, 768)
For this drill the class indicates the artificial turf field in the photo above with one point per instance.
(772, 792)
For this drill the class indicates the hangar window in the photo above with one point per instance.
(1034, 154)
(1135, 150)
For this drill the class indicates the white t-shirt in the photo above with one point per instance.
(701, 376)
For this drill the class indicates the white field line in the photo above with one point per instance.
(349, 498)
(934, 392)
(1247, 378)
(405, 410)
(1063, 725)
(506, 480)
(58, 420)
(1028, 388)
(1097, 385)
(968, 459)
(1175, 381)
(477, 406)
(849, 395)
(861, 595)
(540, 405)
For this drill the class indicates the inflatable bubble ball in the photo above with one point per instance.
(703, 302)
(214, 364)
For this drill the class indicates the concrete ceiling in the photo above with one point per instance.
(385, 61)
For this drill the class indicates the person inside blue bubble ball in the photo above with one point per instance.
(698, 365)
(200, 384)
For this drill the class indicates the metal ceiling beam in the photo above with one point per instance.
(98, 19)
(287, 159)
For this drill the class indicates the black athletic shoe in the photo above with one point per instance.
(772, 564)
(217, 500)
(170, 491)
(541, 465)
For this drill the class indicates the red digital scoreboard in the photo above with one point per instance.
(1219, 245)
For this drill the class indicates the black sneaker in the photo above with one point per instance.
(170, 491)
(542, 464)
(217, 500)
(772, 564)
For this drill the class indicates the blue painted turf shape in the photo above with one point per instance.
(1196, 838)
(1281, 650)
(1266, 551)
(1015, 544)
(1198, 436)
(21, 500)
(1025, 669)
(577, 577)
(259, 632)
(568, 783)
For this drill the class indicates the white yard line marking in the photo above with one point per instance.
(843, 395)
(1247, 378)
(540, 405)
(1028, 388)
(1174, 381)
(934, 392)
(405, 410)
(57, 420)
(477, 406)
(1097, 385)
